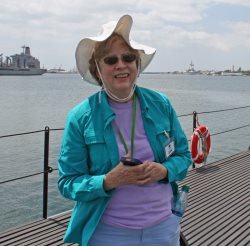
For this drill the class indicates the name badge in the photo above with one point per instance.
(170, 147)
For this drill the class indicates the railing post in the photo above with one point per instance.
(194, 126)
(194, 120)
(46, 172)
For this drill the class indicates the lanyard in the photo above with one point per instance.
(132, 130)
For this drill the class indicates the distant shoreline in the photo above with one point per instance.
(217, 73)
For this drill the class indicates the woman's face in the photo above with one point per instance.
(118, 74)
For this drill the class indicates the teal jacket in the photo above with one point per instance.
(89, 151)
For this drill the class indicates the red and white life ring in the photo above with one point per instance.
(200, 134)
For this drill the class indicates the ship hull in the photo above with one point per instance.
(24, 71)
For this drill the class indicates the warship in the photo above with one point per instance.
(21, 64)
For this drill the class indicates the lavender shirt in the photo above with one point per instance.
(133, 206)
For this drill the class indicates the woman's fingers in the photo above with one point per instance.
(145, 173)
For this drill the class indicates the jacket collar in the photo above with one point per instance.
(104, 106)
(143, 102)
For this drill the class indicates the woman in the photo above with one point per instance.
(118, 200)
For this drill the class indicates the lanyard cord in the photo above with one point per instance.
(132, 130)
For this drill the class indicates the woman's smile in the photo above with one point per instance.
(122, 75)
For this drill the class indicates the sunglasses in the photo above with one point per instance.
(126, 58)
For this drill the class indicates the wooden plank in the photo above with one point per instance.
(209, 222)
(37, 228)
(215, 209)
(38, 223)
(243, 238)
(45, 232)
(44, 238)
(217, 229)
(21, 228)
(31, 236)
(219, 201)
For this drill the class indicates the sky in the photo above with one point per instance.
(213, 34)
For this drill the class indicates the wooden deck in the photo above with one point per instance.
(218, 210)
(43, 232)
(217, 214)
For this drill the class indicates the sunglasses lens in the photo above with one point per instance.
(128, 58)
(111, 60)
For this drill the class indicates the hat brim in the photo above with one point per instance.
(86, 46)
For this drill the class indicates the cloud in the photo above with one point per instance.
(237, 36)
(234, 2)
(53, 28)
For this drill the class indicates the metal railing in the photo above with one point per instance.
(47, 169)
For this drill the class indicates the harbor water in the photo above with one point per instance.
(29, 103)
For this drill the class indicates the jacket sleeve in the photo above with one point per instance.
(178, 163)
(74, 181)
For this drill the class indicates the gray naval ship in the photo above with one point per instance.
(21, 64)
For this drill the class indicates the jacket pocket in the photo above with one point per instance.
(163, 136)
(98, 158)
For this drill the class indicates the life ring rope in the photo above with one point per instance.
(201, 137)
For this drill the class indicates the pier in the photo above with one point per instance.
(218, 205)
(217, 212)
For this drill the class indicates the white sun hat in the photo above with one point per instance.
(122, 27)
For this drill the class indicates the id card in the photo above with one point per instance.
(170, 147)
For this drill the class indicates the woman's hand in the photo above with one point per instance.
(145, 173)
(154, 172)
